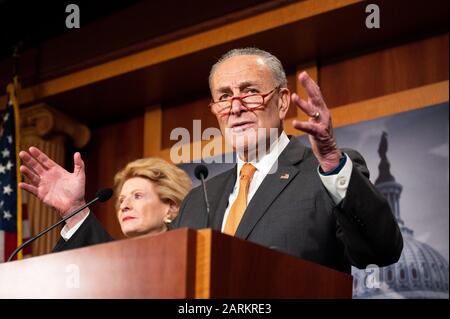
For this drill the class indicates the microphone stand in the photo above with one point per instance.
(206, 200)
(29, 241)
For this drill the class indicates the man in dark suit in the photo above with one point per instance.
(317, 204)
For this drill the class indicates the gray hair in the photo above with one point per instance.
(271, 61)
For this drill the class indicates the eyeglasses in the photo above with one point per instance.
(251, 102)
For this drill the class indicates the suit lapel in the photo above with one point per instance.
(271, 187)
(219, 203)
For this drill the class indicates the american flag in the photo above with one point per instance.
(13, 222)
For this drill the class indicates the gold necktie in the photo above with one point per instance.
(240, 204)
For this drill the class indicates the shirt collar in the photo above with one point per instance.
(265, 163)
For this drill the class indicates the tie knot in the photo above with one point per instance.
(247, 170)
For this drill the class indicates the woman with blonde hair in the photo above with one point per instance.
(148, 192)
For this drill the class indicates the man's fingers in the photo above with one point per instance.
(308, 83)
(29, 188)
(306, 107)
(307, 127)
(312, 89)
(42, 157)
(31, 162)
(32, 177)
(78, 164)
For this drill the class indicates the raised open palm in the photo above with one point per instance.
(51, 183)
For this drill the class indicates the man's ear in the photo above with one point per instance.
(284, 99)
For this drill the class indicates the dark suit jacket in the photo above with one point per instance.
(298, 216)
(90, 232)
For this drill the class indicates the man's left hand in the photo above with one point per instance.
(318, 127)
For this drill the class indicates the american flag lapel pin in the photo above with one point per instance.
(284, 176)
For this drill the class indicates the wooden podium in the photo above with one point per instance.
(183, 263)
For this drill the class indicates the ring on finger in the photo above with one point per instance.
(316, 115)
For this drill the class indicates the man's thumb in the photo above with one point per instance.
(78, 164)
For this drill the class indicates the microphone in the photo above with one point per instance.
(102, 195)
(201, 172)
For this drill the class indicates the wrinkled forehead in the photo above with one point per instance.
(242, 70)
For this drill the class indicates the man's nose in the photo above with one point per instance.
(236, 106)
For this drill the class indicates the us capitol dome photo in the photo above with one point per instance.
(421, 271)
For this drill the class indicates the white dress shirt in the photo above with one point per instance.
(66, 233)
(336, 184)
